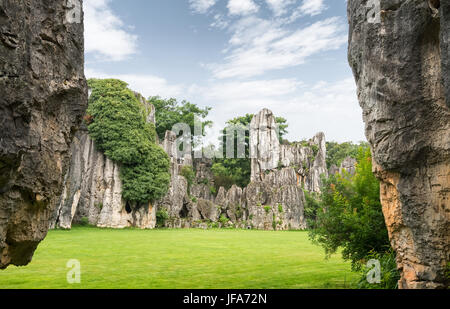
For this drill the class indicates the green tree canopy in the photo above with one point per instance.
(117, 123)
(170, 112)
(337, 152)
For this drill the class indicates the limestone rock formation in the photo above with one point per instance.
(177, 202)
(307, 158)
(43, 96)
(349, 165)
(273, 200)
(277, 202)
(93, 188)
(401, 66)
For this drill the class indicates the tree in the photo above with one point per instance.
(350, 215)
(116, 121)
(170, 112)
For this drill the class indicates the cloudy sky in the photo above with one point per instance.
(236, 56)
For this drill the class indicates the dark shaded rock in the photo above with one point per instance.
(401, 66)
(43, 95)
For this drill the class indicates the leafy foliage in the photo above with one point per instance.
(389, 274)
(337, 152)
(170, 112)
(161, 217)
(312, 206)
(188, 173)
(349, 214)
(117, 123)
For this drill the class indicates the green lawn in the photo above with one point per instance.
(181, 259)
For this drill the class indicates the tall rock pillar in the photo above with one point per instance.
(43, 95)
(399, 52)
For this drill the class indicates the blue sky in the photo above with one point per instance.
(236, 56)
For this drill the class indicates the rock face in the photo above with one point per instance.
(307, 158)
(93, 188)
(177, 202)
(401, 66)
(348, 165)
(43, 95)
(273, 200)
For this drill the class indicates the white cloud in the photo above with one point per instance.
(219, 22)
(242, 7)
(312, 7)
(279, 7)
(308, 7)
(106, 36)
(147, 85)
(201, 6)
(259, 45)
(330, 107)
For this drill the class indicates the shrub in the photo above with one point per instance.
(188, 173)
(280, 208)
(223, 219)
(267, 209)
(117, 123)
(161, 217)
(389, 273)
(84, 221)
(213, 190)
(312, 206)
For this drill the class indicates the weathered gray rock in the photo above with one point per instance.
(267, 155)
(277, 202)
(349, 165)
(333, 170)
(177, 202)
(235, 205)
(264, 144)
(43, 96)
(208, 210)
(93, 189)
(401, 66)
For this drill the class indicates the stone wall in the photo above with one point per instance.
(43, 96)
(401, 66)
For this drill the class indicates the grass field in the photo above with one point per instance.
(181, 259)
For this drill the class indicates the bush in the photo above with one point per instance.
(161, 217)
(389, 275)
(84, 221)
(117, 123)
(280, 208)
(267, 209)
(188, 173)
(312, 206)
(223, 219)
